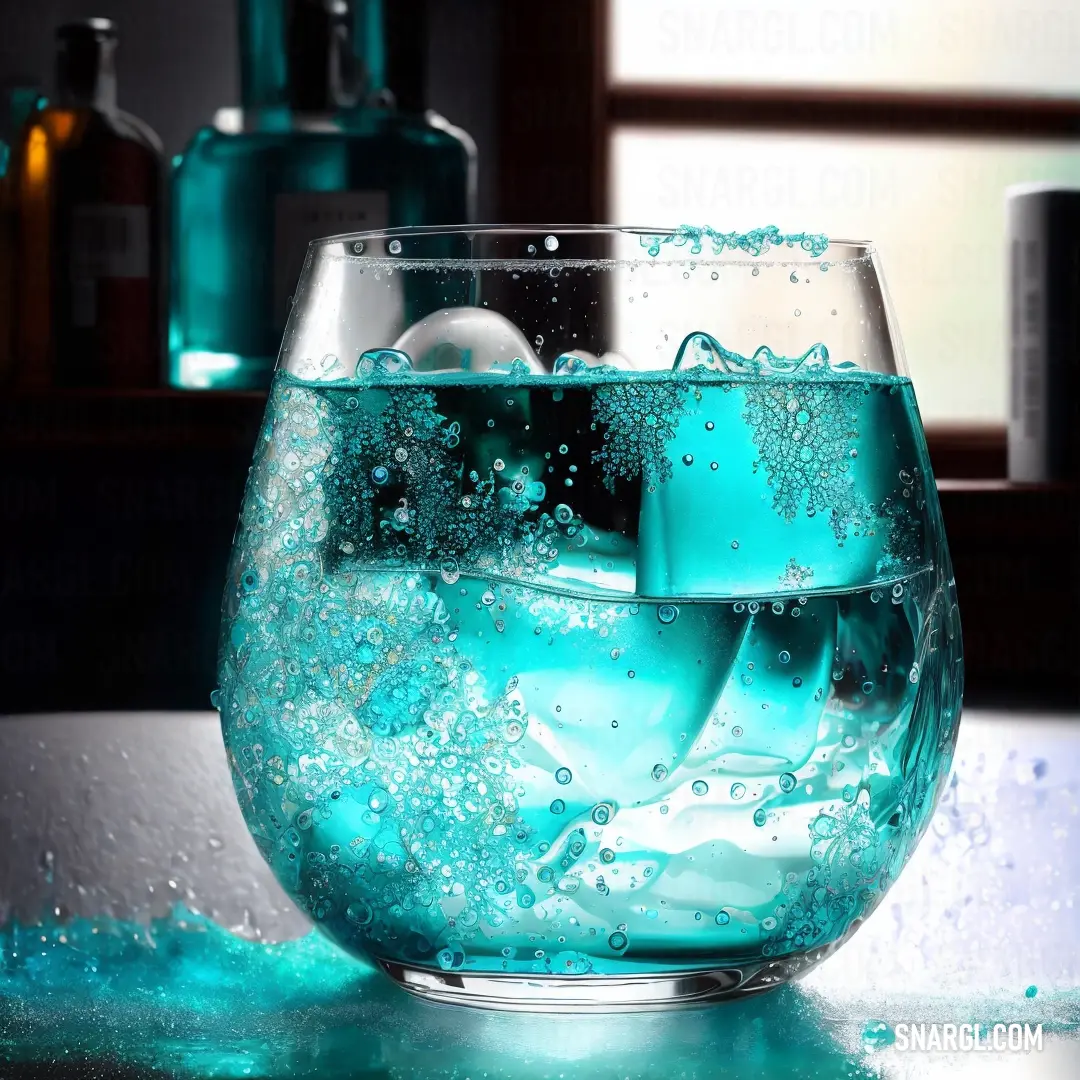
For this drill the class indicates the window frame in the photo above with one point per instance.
(556, 94)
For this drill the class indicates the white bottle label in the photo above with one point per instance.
(306, 216)
(110, 242)
(106, 242)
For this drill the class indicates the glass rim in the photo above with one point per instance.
(852, 251)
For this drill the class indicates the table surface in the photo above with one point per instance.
(982, 927)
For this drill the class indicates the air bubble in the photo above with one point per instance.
(659, 772)
(607, 855)
(722, 918)
(618, 941)
(785, 657)
(688, 459)
(667, 613)
(601, 813)
(557, 806)
(787, 782)
(737, 791)
(699, 787)
(563, 514)
(551, 243)
(563, 776)
(395, 247)
(759, 817)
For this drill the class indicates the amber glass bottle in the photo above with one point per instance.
(89, 186)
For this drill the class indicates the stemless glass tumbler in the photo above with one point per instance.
(590, 637)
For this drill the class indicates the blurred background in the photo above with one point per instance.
(165, 163)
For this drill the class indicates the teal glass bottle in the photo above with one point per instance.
(332, 137)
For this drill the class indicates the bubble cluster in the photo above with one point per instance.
(638, 422)
(803, 432)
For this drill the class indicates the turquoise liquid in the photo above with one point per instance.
(593, 673)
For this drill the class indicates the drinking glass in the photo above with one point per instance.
(590, 638)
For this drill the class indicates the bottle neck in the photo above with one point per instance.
(318, 56)
(86, 70)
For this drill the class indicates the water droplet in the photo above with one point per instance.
(1031, 991)
(699, 787)
(395, 247)
(563, 776)
(659, 772)
(688, 459)
(667, 613)
(877, 1034)
(722, 918)
(787, 782)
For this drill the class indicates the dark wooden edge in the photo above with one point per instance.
(133, 419)
(862, 111)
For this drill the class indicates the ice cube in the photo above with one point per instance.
(611, 689)
(468, 339)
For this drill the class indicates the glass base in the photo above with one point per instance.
(606, 993)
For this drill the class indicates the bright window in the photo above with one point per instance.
(934, 205)
(961, 46)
